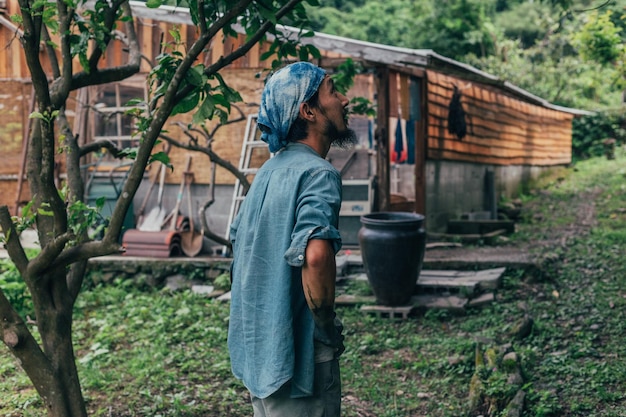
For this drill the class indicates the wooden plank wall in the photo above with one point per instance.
(501, 130)
(12, 60)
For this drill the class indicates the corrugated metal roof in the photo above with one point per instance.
(374, 53)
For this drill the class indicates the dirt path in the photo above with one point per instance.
(536, 244)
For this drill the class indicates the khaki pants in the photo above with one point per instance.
(325, 402)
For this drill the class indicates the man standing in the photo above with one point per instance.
(284, 339)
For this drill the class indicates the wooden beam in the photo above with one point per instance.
(382, 138)
(393, 94)
(421, 145)
(404, 96)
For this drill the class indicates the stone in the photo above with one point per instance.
(202, 289)
(176, 282)
(455, 360)
(510, 357)
(108, 277)
(515, 379)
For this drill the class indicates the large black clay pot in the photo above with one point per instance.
(392, 246)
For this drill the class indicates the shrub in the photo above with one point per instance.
(15, 289)
(589, 133)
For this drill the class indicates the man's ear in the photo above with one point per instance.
(306, 112)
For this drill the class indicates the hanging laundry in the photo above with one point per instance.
(399, 142)
(456, 115)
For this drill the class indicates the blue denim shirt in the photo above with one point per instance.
(295, 196)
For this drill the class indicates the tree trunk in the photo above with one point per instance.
(53, 370)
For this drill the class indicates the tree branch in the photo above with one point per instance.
(66, 16)
(13, 244)
(607, 2)
(241, 117)
(110, 18)
(213, 157)
(48, 254)
(97, 76)
(52, 56)
(30, 41)
(201, 16)
(100, 144)
(19, 340)
(84, 252)
(253, 40)
(72, 156)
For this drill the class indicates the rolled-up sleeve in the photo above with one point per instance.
(317, 214)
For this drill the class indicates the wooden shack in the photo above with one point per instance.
(447, 139)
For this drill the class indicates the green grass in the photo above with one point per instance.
(161, 354)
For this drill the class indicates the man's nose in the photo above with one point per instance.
(344, 100)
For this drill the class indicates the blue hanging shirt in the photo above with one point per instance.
(295, 196)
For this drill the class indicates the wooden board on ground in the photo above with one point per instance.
(429, 301)
(485, 279)
(467, 281)
(447, 284)
(450, 302)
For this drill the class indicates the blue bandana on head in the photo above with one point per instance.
(280, 102)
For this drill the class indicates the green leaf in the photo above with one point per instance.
(315, 53)
(100, 202)
(220, 100)
(136, 102)
(206, 111)
(160, 157)
(231, 95)
(36, 115)
(183, 311)
(175, 35)
(193, 11)
(130, 153)
(187, 104)
(45, 212)
(153, 4)
(267, 54)
(268, 14)
(303, 54)
(195, 76)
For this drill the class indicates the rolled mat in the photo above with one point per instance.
(160, 244)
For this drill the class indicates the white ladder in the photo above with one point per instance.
(251, 141)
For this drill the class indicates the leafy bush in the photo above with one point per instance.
(222, 282)
(14, 288)
(589, 132)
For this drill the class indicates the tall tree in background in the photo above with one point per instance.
(392, 22)
(450, 27)
(600, 41)
(458, 28)
(55, 36)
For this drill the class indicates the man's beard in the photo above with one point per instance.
(343, 139)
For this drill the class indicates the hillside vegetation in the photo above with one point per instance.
(569, 52)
